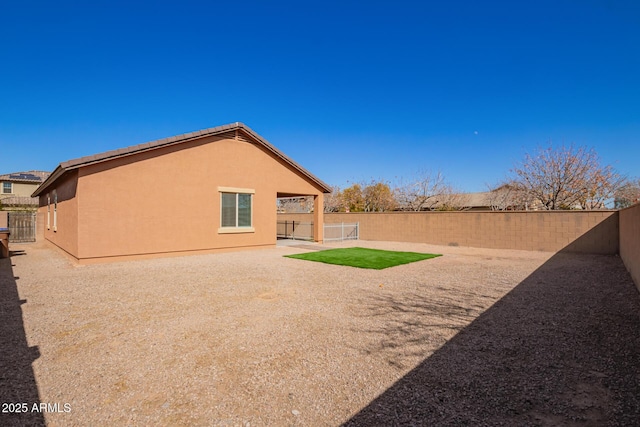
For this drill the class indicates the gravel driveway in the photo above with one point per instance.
(475, 337)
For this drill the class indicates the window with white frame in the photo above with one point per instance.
(7, 187)
(236, 210)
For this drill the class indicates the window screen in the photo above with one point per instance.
(236, 210)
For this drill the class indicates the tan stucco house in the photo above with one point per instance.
(16, 188)
(201, 192)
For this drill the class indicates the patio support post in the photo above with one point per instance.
(318, 217)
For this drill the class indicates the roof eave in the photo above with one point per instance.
(174, 140)
(323, 186)
(50, 179)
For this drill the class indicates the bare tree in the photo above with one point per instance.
(500, 198)
(508, 196)
(333, 200)
(628, 194)
(566, 178)
(422, 192)
(601, 188)
(299, 204)
(451, 200)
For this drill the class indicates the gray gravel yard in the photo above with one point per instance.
(475, 337)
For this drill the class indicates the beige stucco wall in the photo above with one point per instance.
(41, 223)
(166, 201)
(4, 219)
(576, 231)
(65, 233)
(630, 241)
(20, 189)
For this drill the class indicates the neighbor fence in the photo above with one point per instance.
(575, 231)
(341, 231)
(597, 232)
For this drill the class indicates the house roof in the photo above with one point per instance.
(19, 201)
(29, 177)
(174, 140)
(474, 200)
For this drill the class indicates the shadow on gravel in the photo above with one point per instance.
(562, 348)
(17, 381)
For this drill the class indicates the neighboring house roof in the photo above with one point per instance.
(174, 140)
(20, 201)
(477, 200)
(29, 177)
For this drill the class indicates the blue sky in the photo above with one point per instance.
(353, 91)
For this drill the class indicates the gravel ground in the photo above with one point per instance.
(476, 337)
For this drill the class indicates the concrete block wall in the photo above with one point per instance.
(41, 223)
(575, 231)
(630, 241)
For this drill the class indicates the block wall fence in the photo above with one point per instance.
(577, 231)
(597, 232)
(629, 219)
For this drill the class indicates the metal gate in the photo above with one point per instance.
(341, 231)
(22, 226)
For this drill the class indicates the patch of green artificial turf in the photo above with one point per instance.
(363, 257)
